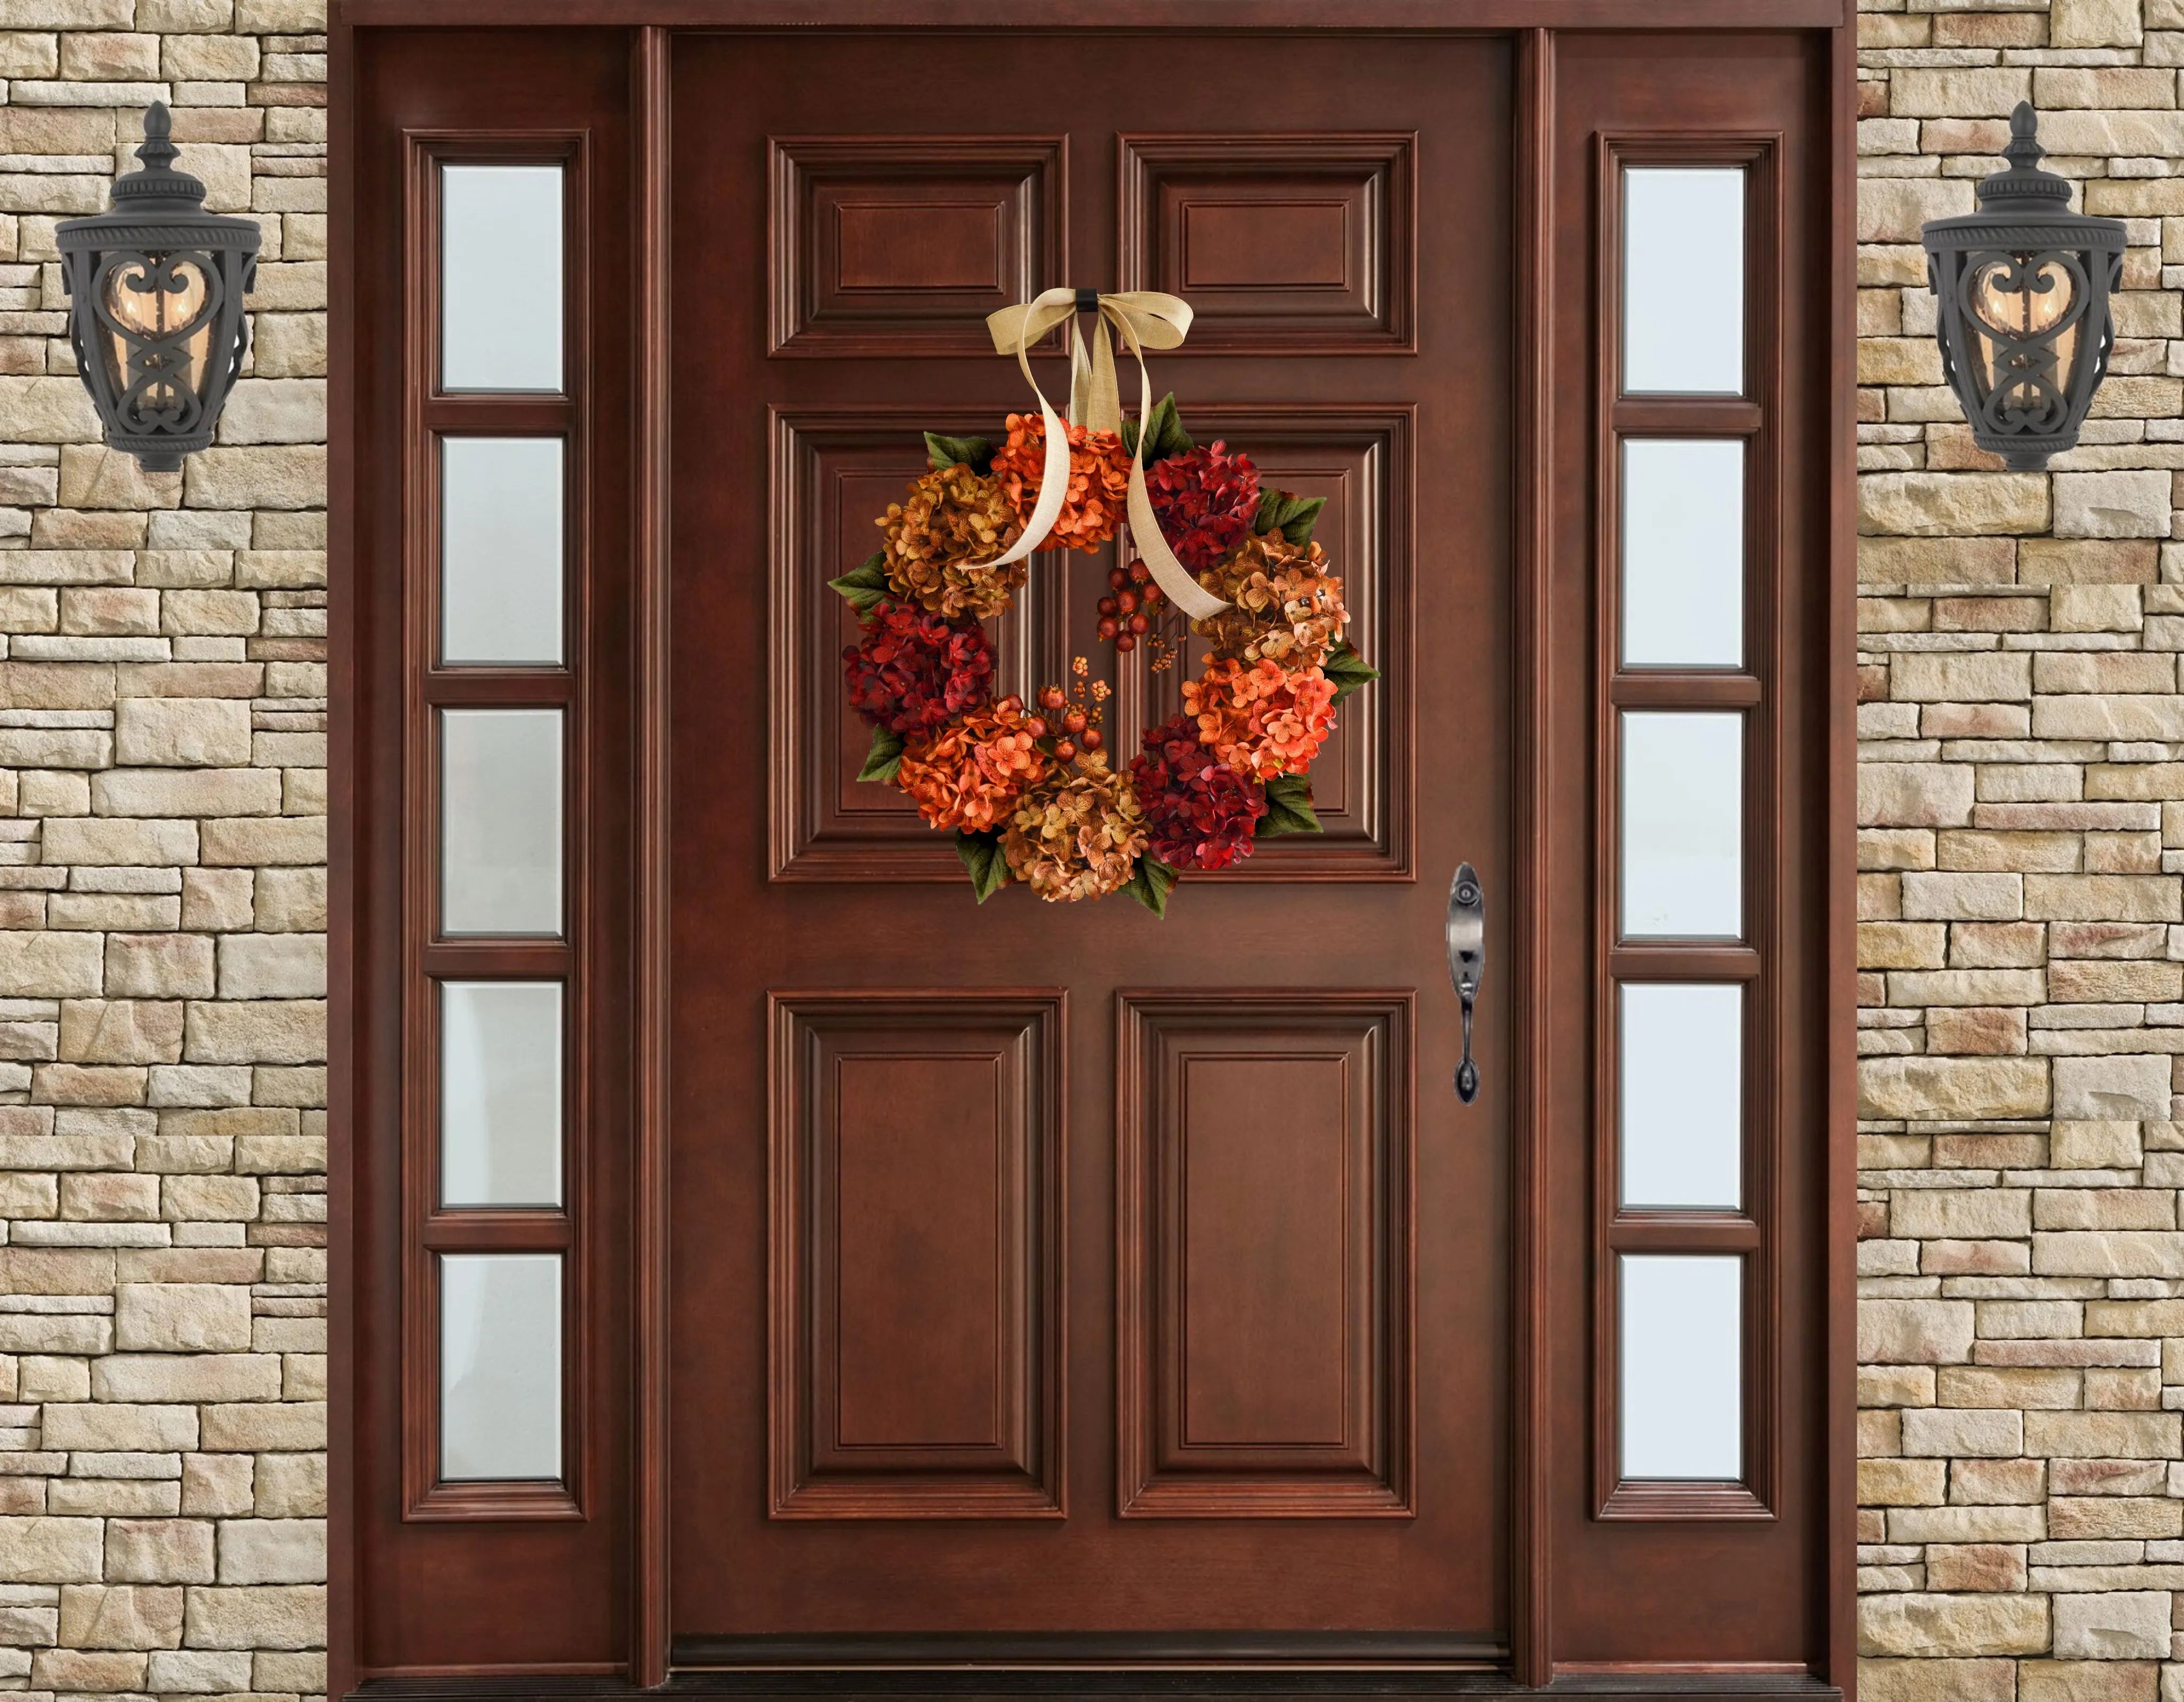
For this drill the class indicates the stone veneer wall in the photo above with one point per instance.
(2021, 810)
(163, 902)
(162, 906)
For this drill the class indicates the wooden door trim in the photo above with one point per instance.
(649, 1631)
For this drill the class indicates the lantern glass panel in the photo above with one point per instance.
(2018, 301)
(156, 297)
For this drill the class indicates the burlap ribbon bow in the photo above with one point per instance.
(1143, 318)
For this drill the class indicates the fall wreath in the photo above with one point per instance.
(1034, 791)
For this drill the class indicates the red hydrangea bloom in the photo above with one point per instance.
(1200, 813)
(1206, 500)
(913, 670)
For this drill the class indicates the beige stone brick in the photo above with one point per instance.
(1940, 1680)
(217, 1484)
(2116, 1086)
(259, 1032)
(1975, 1566)
(120, 1617)
(2102, 1435)
(266, 1617)
(293, 1485)
(1957, 505)
(180, 1317)
(159, 1551)
(2094, 24)
(51, 1551)
(1899, 794)
(272, 1551)
(1952, 1625)
(198, 732)
(2114, 1625)
(1953, 1087)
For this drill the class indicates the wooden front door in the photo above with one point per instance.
(1055, 1269)
(755, 1262)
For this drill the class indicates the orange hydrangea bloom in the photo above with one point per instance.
(970, 773)
(1260, 720)
(1099, 480)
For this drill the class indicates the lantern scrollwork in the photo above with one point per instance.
(2022, 287)
(156, 313)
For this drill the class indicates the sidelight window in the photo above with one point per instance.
(1685, 1250)
(496, 923)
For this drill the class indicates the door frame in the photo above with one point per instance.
(1534, 26)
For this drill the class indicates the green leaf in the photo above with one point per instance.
(865, 584)
(1289, 807)
(1303, 517)
(1150, 882)
(982, 855)
(885, 756)
(944, 452)
(1348, 669)
(1293, 516)
(1164, 433)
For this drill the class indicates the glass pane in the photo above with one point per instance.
(1683, 1384)
(501, 550)
(1681, 1057)
(1683, 552)
(500, 277)
(1683, 805)
(1683, 280)
(500, 1093)
(500, 821)
(500, 1365)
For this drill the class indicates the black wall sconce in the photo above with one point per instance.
(2023, 286)
(155, 286)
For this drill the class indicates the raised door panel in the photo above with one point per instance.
(1264, 1254)
(1359, 460)
(901, 245)
(1289, 244)
(834, 475)
(914, 1258)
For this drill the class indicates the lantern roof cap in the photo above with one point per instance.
(2024, 187)
(157, 186)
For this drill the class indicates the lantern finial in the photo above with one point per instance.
(2024, 151)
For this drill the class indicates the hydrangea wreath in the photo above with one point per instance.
(1029, 789)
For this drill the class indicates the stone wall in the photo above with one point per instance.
(163, 902)
(162, 906)
(2021, 810)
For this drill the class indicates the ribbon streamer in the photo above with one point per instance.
(1143, 318)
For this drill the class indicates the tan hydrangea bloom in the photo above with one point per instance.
(1077, 835)
(1288, 607)
(952, 521)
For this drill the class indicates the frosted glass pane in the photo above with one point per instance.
(1682, 1058)
(1683, 1382)
(500, 1093)
(1683, 830)
(1683, 552)
(500, 277)
(500, 1366)
(500, 821)
(501, 550)
(1683, 280)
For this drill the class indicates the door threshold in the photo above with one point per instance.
(1104, 1684)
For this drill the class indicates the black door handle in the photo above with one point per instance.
(1467, 957)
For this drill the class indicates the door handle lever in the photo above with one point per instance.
(1467, 957)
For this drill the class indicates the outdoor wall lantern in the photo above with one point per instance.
(2023, 286)
(155, 286)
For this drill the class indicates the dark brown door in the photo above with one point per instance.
(1054, 1269)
